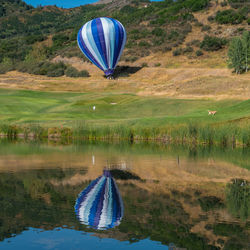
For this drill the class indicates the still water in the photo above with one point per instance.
(123, 196)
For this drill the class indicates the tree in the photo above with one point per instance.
(236, 55)
(246, 48)
(239, 53)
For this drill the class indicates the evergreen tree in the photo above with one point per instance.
(236, 55)
(246, 48)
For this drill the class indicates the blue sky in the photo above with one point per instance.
(62, 3)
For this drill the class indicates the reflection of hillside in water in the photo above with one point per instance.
(189, 202)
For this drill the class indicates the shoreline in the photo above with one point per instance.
(69, 135)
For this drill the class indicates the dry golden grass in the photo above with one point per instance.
(185, 82)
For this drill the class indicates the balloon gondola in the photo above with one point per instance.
(102, 41)
(100, 205)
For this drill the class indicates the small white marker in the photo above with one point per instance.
(93, 107)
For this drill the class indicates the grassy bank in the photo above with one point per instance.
(123, 116)
(180, 134)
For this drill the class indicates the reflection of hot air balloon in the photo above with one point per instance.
(100, 205)
(102, 41)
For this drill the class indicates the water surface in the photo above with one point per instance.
(173, 196)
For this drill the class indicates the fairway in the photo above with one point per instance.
(50, 108)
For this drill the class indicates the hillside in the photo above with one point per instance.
(156, 31)
(9, 7)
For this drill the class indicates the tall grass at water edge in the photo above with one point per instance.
(191, 133)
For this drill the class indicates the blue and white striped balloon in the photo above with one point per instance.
(100, 205)
(102, 41)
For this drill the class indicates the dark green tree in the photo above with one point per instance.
(236, 55)
(239, 53)
(246, 48)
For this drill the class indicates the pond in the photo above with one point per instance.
(90, 195)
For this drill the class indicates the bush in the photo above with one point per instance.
(194, 42)
(223, 4)
(144, 65)
(212, 43)
(55, 72)
(177, 52)
(73, 72)
(6, 66)
(34, 38)
(158, 32)
(210, 18)
(144, 44)
(196, 5)
(198, 24)
(157, 65)
(131, 59)
(199, 53)
(42, 68)
(188, 49)
(59, 39)
(237, 3)
(206, 28)
(229, 17)
(167, 48)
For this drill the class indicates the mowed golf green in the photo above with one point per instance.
(53, 108)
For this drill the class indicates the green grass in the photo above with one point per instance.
(144, 117)
(21, 106)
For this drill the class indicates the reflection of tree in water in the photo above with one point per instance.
(238, 198)
(124, 175)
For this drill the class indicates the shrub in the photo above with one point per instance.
(188, 49)
(210, 18)
(167, 48)
(34, 38)
(199, 53)
(144, 44)
(42, 68)
(6, 66)
(53, 69)
(59, 39)
(196, 5)
(237, 3)
(212, 43)
(55, 72)
(157, 65)
(194, 42)
(174, 35)
(158, 32)
(206, 28)
(198, 24)
(223, 4)
(144, 65)
(131, 59)
(177, 52)
(73, 72)
(229, 17)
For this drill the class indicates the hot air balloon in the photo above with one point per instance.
(102, 41)
(100, 205)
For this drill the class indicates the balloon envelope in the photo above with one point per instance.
(102, 41)
(100, 205)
